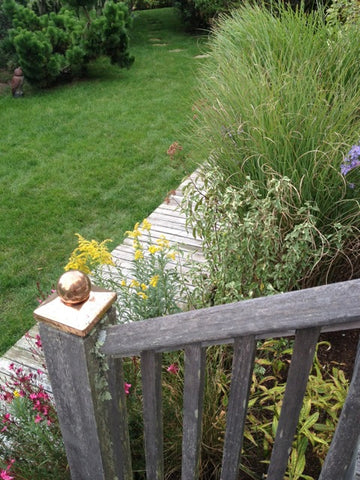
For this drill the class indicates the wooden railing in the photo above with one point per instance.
(94, 422)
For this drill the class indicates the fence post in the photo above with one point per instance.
(79, 377)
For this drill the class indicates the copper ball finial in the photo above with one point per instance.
(73, 287)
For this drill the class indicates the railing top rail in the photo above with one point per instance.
(329, 307)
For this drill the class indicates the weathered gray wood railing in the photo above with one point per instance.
(94, 426)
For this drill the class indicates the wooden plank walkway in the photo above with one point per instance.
(165, 220)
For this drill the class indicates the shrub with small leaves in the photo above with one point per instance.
(254, 243)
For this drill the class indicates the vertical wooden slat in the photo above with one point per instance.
(118, 426)
(301, 362)
(195, 358)
(340, 461)
(243, 361)
(153, 421)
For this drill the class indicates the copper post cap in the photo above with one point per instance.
(73, 287)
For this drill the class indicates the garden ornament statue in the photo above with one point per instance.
(17, 83)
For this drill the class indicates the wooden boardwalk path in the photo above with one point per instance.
(165, 220)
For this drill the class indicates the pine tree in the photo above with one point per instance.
(58, 45)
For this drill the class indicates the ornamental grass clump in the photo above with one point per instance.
(282, 96)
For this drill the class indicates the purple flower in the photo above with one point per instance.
(351, 161)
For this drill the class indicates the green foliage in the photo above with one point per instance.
(30, 437)
(325, 395)
(60, 45)
(151, 288)
(37, 448)
(148, 4)
(204, 13)
(4, 27)
(323, 401)
(282, 103)
(41, 7)
(342, 13)
(201, 13)
(255, 244)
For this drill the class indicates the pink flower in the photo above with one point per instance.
(38, 341)
(127, 387)
(38, 418)
(6, 418)
(4, 475)
(173, 368)
(7, 397)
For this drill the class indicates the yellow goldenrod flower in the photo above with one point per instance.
(146, 225)
(89, 254)
(154, 280)
(123, 283)
(134, 283)
(143, 286)
(142, 295)
(78, 262)
(153, 249)
(135, 233)
(138, 254)
(171, 255)
(16, 393)
(163, 242)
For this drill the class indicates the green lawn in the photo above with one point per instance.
(90, 157)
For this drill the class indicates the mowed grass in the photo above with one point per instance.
(89, 157)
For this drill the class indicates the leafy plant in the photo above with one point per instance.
(324, 398)
(30, 438)
(326, 392)
(254, 244)
(150, 289)
(342, 13)
(200, 13)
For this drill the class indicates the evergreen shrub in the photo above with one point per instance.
(60, 45)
